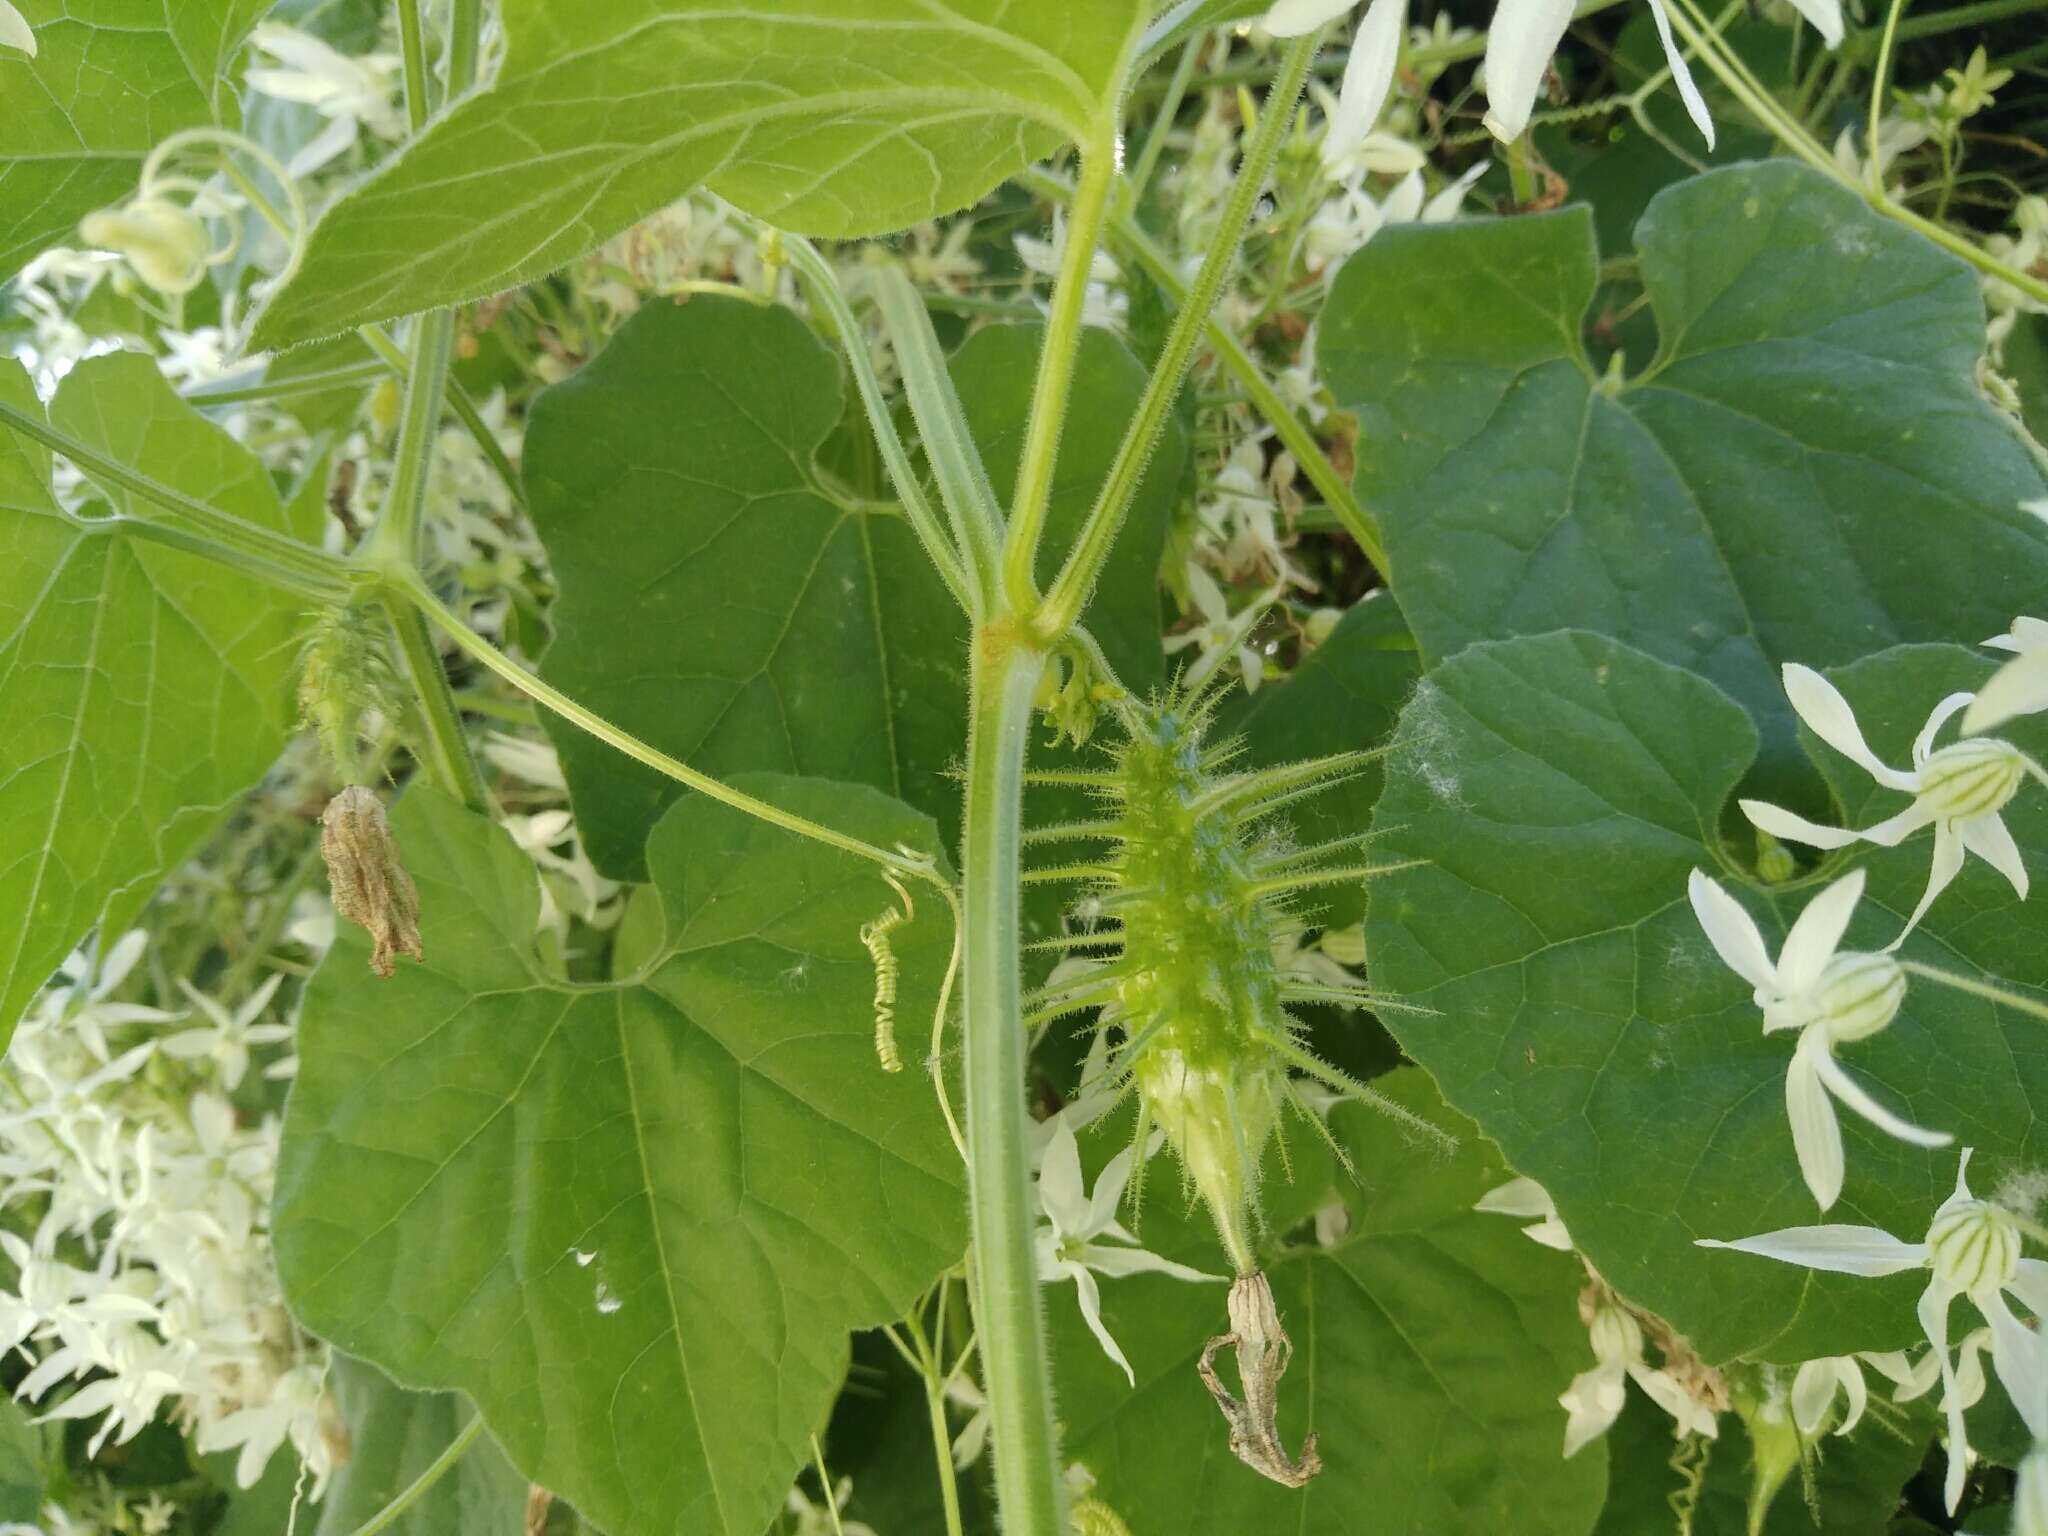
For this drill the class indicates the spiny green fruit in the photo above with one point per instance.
(1196, 878)
(346, 681)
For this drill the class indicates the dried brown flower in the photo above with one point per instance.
(369, 880)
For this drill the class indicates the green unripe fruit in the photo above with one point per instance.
(1196, 879)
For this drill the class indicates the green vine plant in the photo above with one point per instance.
(1390, 634)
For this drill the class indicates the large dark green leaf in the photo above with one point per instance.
(633, 1222)
(1560, 789)
(832, 117)
(723, 600)
(1806, 472)
(143, 689)
(1429, 1349)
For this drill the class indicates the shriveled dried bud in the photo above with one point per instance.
(1263, 1351)
(369, 881)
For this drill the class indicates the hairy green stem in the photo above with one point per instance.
(413, 590)
(457, 1449)
(265, 551)
(1056, 358)
(1015, 1374)
(447, 752)
(1293, 433)
(1957, 18)
(822, 283)
(1070, 592)
(399, 534)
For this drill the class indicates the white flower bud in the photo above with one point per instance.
(1857, 995)
(1617, 1337)
(166, 244)
(1972, 777)
(1974, 1246)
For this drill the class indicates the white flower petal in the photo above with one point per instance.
(1592, 1403)
(1091, 1314)
(1841, 1250)
(1817, 931)
(1060, 1194)
(1404, 203)
(1681, 74)
(1518, 1197)
(1933, 1309)
(14, 31)
(1894, 830)
(1368, 77)
(1732, 932)
(1813, 1392)
(1852, 1093)
(1826, 16)
(1450, 202)
(1856, 1395)
(1990, 839)
(1524, 34)
(1923, 744)
(2020, 687)
(1827, 714)
(1121, 1263)
(1293, 18)
(1781, 823)
(2031, 1286)
(1816, 1134)
(1948, 859)
(2020, 1356)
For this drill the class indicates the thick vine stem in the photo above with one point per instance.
(1005, 671)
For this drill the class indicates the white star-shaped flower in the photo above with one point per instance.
(1958, 790)
(1082, 1237)
(1594, 1399)
(1972, 1250)
(1832, 998)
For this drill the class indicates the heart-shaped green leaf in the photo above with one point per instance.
(1561, 788)
(724, 600)
(1806, 471)
(633, 1222)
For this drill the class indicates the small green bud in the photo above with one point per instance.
(1775, 863)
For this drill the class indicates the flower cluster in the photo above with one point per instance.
(134, 1218)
